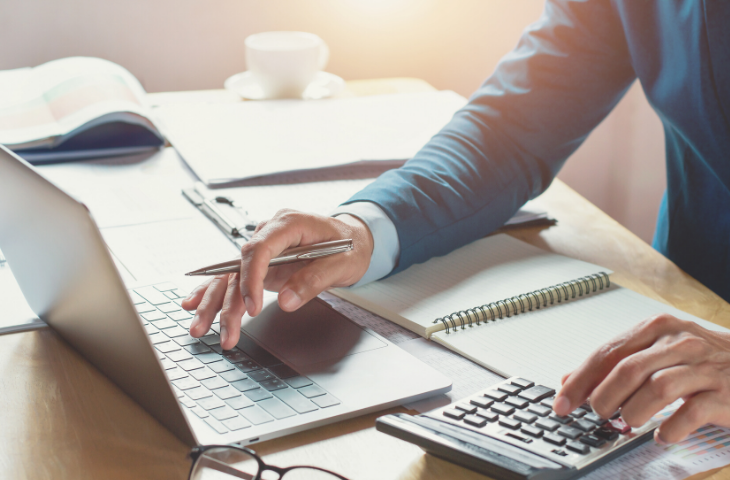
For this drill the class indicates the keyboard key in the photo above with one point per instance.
(583, 425)
(163, 287)
(167, 346)
(223, 413)
(247, 366)
(245, 385)
(155, 315)
(200, 412)
(187, 402)
(475, 421)
(578, 413)
(312, 391)
(217, 426)
(171, 295)
(175, 331)
(548, 402)
(179, 393)
(211, 339)
(185, 340)
(209, 403)
(190, 364)
(136, 299)
(144, 307)
(326, 401)
(235, 356)
(564, 420)
(257, 353)
(163, 324)
(167, 364)
(569, 432)
(594, 418)
(180, 315)
(619, 425)
(230, 376)
(239, 402)
(525, 417)
(509, 423)
(466, 408)
(532, 431)
(208, 357)
(216, 348)
(517, 402)
(519, 436)
(175, 373)
(179, 355)
(153, 296)
(592, 440)
(256, 415)
(276, 408)
(214, 382)
(158, 337)
(226, 392)
(554, 439)
(481, 402)
(522, 383)
(257, 394)
(540, 410)
(261, 375)
(273, 384)
(496, 396)
(186, 324)
(150, 329)
(606, 434)
(490, 416)
(578, 447)
(168, 307)
(298, 382)
(296, 401)
(186, 383)
(198, 393)
(236, 423)
(537, 393)
(509, 389)
(283, 371)
(454, 413)
(586, 407)
(547, 424)
(502, 409)
(197, 348)
(221, 366)
(201, 373)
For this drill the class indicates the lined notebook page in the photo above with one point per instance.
(488, 270)
(543, 345)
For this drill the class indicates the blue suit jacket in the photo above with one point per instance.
(567, 72)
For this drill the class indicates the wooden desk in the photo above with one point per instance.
(61, 419)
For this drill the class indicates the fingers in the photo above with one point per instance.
(209, 305)
(192, 301)
(694, 413)
(310, 281)
(231, 313)
(593, 371)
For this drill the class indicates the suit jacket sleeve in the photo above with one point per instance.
(506, 145)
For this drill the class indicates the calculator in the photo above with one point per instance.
(509, 431)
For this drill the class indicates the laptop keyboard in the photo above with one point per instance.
(230, 390)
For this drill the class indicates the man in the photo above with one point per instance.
(566, 74)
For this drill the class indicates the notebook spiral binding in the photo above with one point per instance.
(526, 302)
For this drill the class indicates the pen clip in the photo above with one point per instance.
(324, 253)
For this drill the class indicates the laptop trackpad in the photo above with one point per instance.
(313, 334)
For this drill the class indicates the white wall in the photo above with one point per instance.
(454, 44)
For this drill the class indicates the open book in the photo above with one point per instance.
(511, 307)
(74, 108)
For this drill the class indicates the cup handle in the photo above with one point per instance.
(324, 54)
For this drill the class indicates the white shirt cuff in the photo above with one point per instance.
(386, 246)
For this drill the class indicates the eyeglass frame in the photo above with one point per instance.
(198, 452)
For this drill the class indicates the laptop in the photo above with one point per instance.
(289, 372)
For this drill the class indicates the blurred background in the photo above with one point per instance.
(453, 44)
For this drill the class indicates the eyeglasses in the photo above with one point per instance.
(226, 462)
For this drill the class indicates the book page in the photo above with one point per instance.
(545, 344)
(487, 270)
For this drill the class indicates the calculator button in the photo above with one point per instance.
(583, 425)
(517, 402)
(509, 423)
(525, 417)
(564, 420)
(616, 414)
(481, 402)
(606, 434)
(619, 425)
(594, 418)
(586, 407)
(466, 408)
(541, 410)
(490, 416)
(537, 393)
(522, 383)
(554, 439)
(519, 437)
(475, 421)
(548, 402)
(502, 409)
(578, 413)
(455, 414)
(547, 424)
(510, 389)
(578, 447)
(496, 396)
(592, 440)
(569, 432)
(532, 431)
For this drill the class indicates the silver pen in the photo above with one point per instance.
(291, 255)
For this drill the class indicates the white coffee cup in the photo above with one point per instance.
(284, 63)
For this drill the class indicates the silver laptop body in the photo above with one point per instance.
(69, 279)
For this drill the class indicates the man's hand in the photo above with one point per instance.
(659, 361)
(297, 283)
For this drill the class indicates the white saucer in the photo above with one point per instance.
(324, 85)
